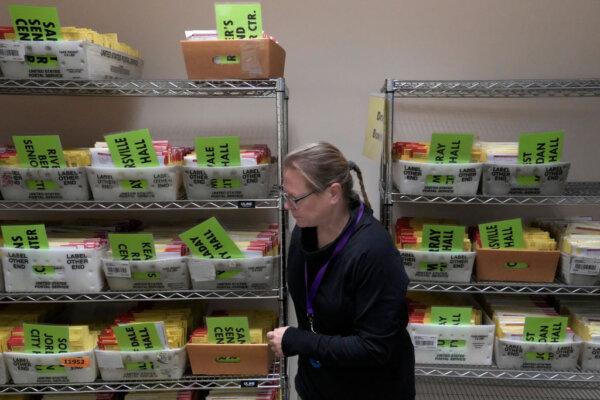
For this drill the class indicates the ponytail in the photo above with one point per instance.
(353, 167)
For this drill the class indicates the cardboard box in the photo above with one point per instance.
(259, 59)
(230, 359)
(516, 265)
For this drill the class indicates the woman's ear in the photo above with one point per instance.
(336, 193)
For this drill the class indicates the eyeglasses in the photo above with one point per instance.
(294, 200)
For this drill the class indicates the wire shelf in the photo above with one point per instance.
(505, 288)
(145, 88)
(495, 88)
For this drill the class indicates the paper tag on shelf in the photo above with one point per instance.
(117, 270)
(12, 51)
(541, 147)
(75, 362)
(585, 266)
(425, 342)
(376, 125)
(450, 148)
(109, 360)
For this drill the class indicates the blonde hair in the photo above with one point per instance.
(323, 164)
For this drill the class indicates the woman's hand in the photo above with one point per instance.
(274, 337)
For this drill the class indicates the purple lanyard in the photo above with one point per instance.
(312, 293)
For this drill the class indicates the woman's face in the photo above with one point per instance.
(311, 210)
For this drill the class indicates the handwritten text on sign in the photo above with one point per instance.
(450, 148)
(132, 149)
(443, 237)
(541, 148)
(141, 336)
(218, 151)
(545, 329)
(46, 339)
(35, 23)
(209, 240)
(238, 21)
(502, 234)
(39, 151)
(25, 236)
(451, 315)
(228, 330)
(132, 246)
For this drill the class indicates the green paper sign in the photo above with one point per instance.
(432, 267)
(516, 265)
(451, 315)
(528, 180)
(25, 236)
(145, 276)
(545, 329)
(138, 336)
(48, 61)
(46, 339)
(238, 20)
(218, 151)
(132, 149)
(224, 275)
(450, 148)
(139, 366)
(32, 184)
(209, 240)
(228, 330)
(132, 246)
(443, 238)
(225, 183)
(502, 234)
(134, 184)
(50, 369)
(41, 151)
(35, 23)
(439, 179)
(541, 148)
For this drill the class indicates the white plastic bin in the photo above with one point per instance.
(246, 273)
(118, 184)
(169, 274)
(589, 359)
(135, 365)
(211, 183)
(444, 344)
(501, 179)
(519, 354)
(22, 368)
(73, 60)
(438, 266)
(3, 371)
(580, 271)
(68, 184)
(418, 178)
(73, 271)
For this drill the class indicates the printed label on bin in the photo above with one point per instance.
(132, 149)
(528, 180)
(50, 369)
(35, 184)
(134, 184)
(43, 61)
(34, 23)
(439, 180)
(46, 339)
(132, 246)
(139, 366)
(376, 124)
(228, 360)
(140, 336)
(145, 276)
(228, 330)
(218, 151)
(46, 270)
(204, 273)
(39, 151)
(450, 148)
(115, 270)
(238, 21)
(545, 329)
(75, 362)
(25, 236)
(109, 360)
(425, 342)
(452, 344)
(443, 238)
(541, 147)
(502, 234)
(209, 240)
(516, 265)
(225, 183)
(585, 266)
(12, 51)
(533, 356)
(432, 266)
(451, 315)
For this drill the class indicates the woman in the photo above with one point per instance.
(348, 286)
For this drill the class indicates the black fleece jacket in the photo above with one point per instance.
(361, 344)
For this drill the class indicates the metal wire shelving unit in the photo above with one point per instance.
(576, 194)
(270, 89)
